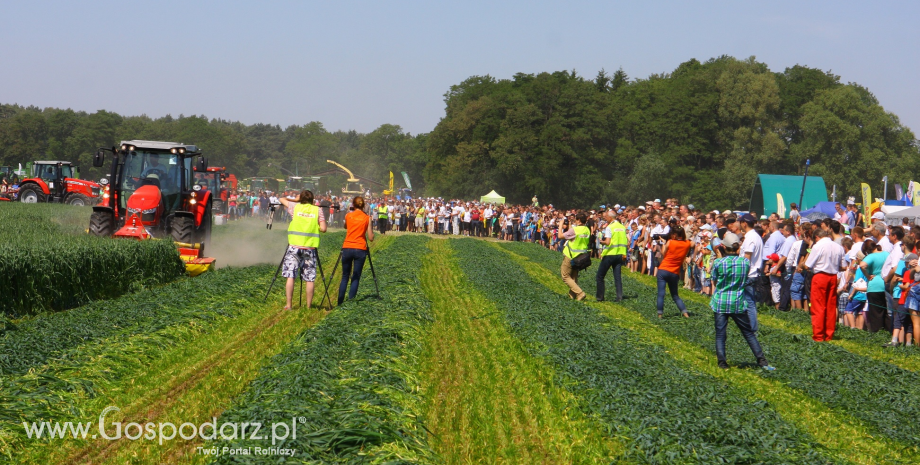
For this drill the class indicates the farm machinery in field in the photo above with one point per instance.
(214, 178)
(57, 181)
(152, 191)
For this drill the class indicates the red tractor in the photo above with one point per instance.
(151, 191)
(54, 181)
(214, 179)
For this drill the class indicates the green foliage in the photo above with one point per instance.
(352, 377)
(49, 263)
(667, 412)
(701, 133)
(825, 372)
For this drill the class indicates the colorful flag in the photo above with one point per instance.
(780, 205)
(898, 192)
(866, 200)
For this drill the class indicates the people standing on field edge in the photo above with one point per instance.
(577, 238)
(730, 280)
(302, 254)
(752, 250)
(825, 260)
(613, 254)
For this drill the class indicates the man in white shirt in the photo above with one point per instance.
(662, 229)
(895, 256)
(880, 233)
(752, 249)
(825, 261)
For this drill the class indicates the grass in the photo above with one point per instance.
(488, 400)
(848, 438)
(184, 372)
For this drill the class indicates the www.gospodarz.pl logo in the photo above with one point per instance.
(162, 432)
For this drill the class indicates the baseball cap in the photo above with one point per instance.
(617, 206)
(727, 212)
(640, 207)
(603, 207)
(763, 217)
(691, 207)
(909, 257)
(878, 216)
(706, 227)
(658, 200)
(649, 202)
(748, 218)
(730, 240)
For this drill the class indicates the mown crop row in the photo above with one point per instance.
(663, 410)
(350, 383)
(47, 264)
(878, 393)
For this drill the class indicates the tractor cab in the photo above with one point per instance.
(152, 191)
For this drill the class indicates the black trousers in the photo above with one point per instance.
(877, 313)
(608, 262)
(382, 225)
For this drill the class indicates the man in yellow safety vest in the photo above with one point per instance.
(613, 255)
(382, 216)
(303, 241)
(578, 238)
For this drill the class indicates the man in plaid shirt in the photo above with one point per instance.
(729, 276)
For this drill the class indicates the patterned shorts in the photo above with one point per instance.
(304, 259)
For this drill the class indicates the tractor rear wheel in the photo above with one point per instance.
(30, 193)
(77, 200)
(102, 224)
(182, 229)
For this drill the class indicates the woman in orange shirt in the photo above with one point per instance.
(673, 255)
(354, 249)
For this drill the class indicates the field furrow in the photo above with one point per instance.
(489, 401)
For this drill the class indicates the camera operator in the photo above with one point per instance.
(303, 241)
(577, 238)
(354, 250)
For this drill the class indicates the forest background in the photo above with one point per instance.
(700, 133)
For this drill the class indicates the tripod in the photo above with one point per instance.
(319, 265)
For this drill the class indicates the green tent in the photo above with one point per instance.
(764, 199)
(492, 197)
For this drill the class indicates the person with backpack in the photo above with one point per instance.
(578, 238)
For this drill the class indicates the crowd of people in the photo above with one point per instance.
(845, 271)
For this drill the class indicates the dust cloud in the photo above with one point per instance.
(246, 242)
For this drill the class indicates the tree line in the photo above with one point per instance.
(700, 133)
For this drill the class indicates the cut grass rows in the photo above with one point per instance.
(212, 335)
(351, 381)
(857, 386)
(664, 411)
(846, 437)
(488, 400)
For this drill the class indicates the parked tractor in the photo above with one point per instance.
(56, 181)
(151, 191)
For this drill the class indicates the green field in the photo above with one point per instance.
(471, 354)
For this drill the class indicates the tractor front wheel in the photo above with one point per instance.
(102, 224)
(77, 200)
(182, 229)
(31, 194)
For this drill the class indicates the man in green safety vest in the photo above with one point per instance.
(303, 241)
(382, 217)
(613, 255)
(578, 238)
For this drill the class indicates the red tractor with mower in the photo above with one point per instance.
(151, 191)
(55, 181)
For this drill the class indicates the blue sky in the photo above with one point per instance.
(357, 65)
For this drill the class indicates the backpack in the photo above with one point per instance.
(581, 261)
